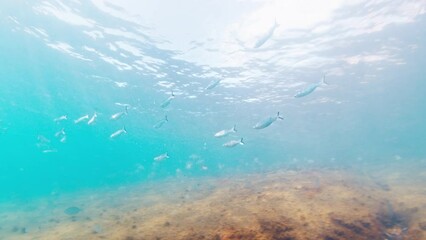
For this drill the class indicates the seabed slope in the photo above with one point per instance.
(319, 203)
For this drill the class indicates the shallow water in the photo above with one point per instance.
(347, 161)
(314, 203)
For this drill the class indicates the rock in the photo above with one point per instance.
(422, 225)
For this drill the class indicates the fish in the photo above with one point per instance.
(121, 84)
(161, 157)
(92, 119)
(60, 133)
(50, 151)
(262, 40)
(118, 115)
(43, 142)
(81, 119)
(72, 211)
(226, 132)
(118, 132)
(308, 90)
(267, 122)
(161, 123)
(168, 101)
(61, 118)
(122, 104)
(233, 143)
(213, 84)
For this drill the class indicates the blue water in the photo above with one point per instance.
(371, 110)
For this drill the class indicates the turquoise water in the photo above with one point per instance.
(75, 58)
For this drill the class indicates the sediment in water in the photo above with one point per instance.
(289, 204)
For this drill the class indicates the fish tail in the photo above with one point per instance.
(279, 117)
(124, 129)
(234, 128)
(165, 118)
(173, 94)
(126, 109)
(241, 141)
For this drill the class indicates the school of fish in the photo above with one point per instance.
(264, 123)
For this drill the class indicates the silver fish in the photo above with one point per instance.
(61, 118)
(226, 132)
(92, 119)
(267, 122)
(213, 84)
(122, 104)
(233, 143)
(168, 101)
(50, 151)
(118, 115)
(60, 133)
(118, 132)
(161, 123)
(81, 119)
(161, 157)
(308, 90)
(262, 40)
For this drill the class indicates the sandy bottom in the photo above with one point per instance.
(319, 203)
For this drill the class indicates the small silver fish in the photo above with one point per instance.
(308, 90)
(226, 132)
(267, 122)
(118, 132)
(60, 133)
(118, 115)
(42, 139)
(61, 118)
(92, 119)
(213, 84)
(81, 119)
(122, 104)
(233, 143)
(161, 157)
(168, 101)
(63, 139)
(161, 123)
(50, 151)
(262, 40)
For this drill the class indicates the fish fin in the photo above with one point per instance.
(241, 141)
(279, 117)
